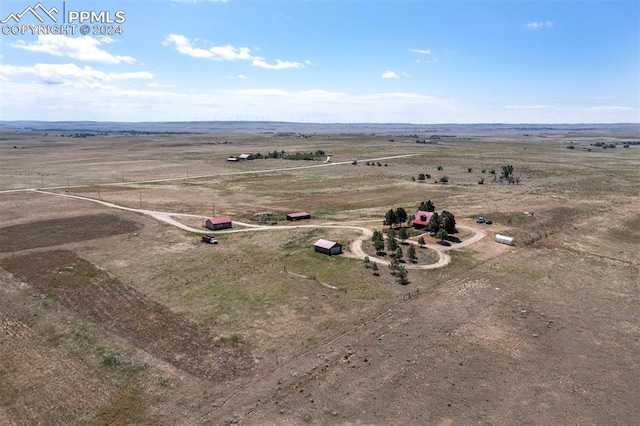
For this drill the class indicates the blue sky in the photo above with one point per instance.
(325, 61)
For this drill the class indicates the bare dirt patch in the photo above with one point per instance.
(55, 232)
(90, 292)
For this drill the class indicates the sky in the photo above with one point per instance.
(346, 61)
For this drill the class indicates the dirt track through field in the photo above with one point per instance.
(356, 246)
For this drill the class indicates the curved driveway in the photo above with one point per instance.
(355, 246)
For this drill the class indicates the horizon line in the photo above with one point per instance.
(326, 123)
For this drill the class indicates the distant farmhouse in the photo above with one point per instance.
(298, 216)
(327, 247)
(220, 222)
(421, 219)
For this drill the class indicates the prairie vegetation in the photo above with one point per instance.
(110, 316)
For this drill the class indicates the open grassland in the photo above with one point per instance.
(112, 317)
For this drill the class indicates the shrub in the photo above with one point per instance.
(110, 361)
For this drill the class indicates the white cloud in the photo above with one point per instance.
(226, 53)
(612, 108)
(536, 25)
(71, 75)
(27, 101)
(393, 74)
(425, 56)
(531, 107)
(279, 65)
(84, 48)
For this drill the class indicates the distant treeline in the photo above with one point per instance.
(83, 133)
(297, 156)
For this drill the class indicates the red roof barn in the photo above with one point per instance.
(221, 222)
(421, 219)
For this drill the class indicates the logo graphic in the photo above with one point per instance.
(34, 11)
(69, 22)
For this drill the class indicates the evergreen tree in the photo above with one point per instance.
(401, 215)
(390, 218)
(393, 266)
(398, 255)
(402, 275)
(507, 170)
(403, 234)
(434, 223)
(411, 253)
(378, 241)
(448, 222)
(392, 244)
(427, 206)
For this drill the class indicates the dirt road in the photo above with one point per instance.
(355, 246)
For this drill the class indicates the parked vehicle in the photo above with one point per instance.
(210, 239)
(488, 221)
(480, 219)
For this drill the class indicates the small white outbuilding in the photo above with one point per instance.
(503, 239)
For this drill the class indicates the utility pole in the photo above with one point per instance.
(214, 209)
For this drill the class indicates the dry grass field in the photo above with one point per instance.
(110, 316)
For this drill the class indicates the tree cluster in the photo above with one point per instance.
(445, 220)
(395, 217)
(427, 206)
(507, 173)
(399, 271)
(297, 156)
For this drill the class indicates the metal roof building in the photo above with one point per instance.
(221, 222)
(298, 216)
(327, 247)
